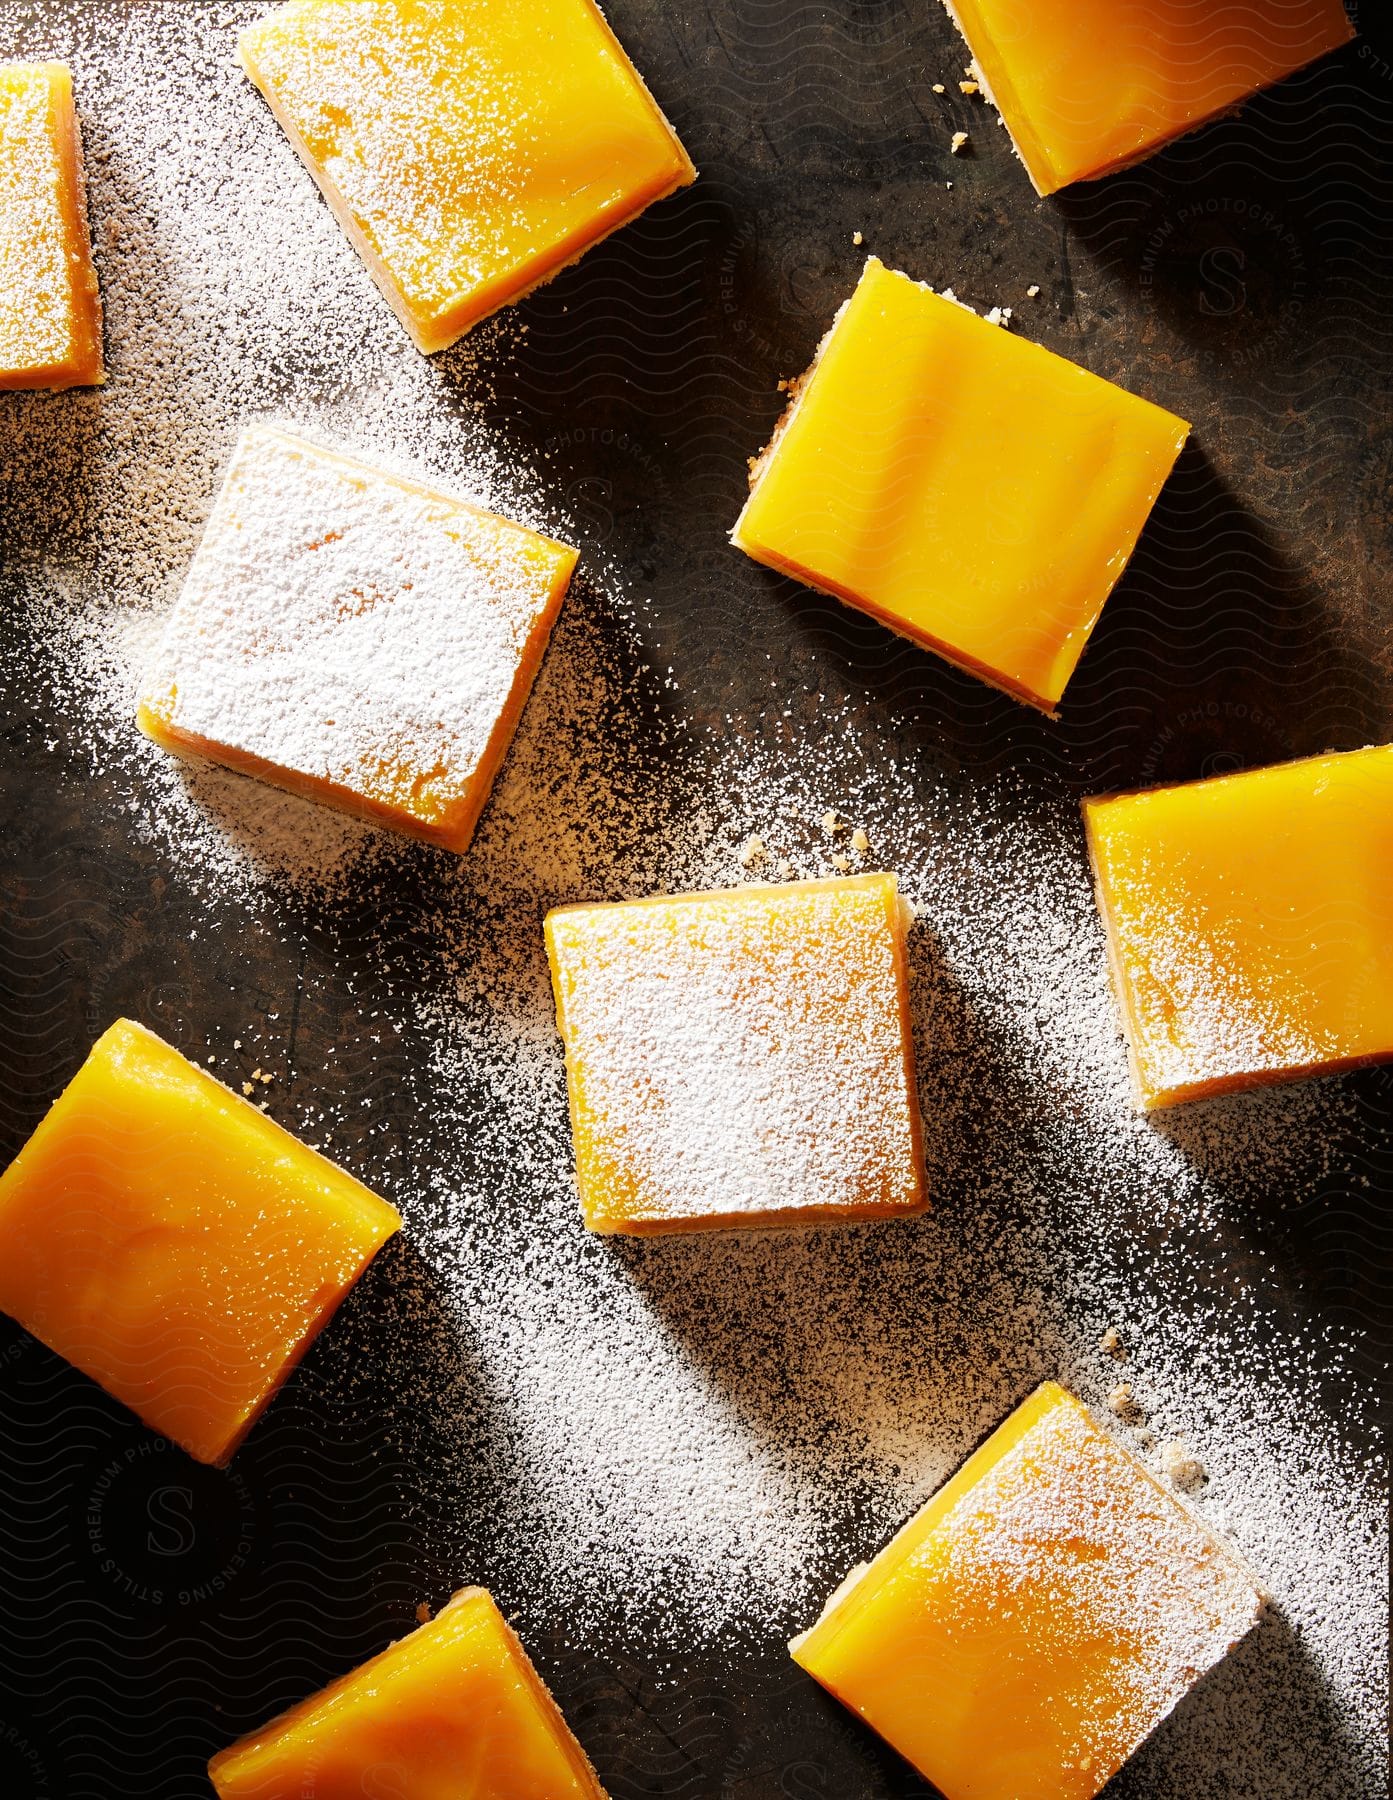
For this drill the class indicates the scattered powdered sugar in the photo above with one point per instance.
(739, 1056)
(343, 625)
(651, 1444)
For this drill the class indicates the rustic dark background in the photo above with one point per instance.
(1247, 271)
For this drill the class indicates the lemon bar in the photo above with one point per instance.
(1250, 923)
(355, 637)
(974, 492)
(163, 1235)
(453, 1709)
(740, 1057)
(469, 150)
(50, 306)
(1037, 1619)
(1086, 86)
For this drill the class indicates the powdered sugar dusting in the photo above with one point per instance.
(739, 1055)
(647, 1445)
(348, 627)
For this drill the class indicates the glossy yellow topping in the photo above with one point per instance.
(163, 1235)
(1090, 85)
(454, 1711)
(1250, 923)
(739, 1058)
(50, 308)
(470, 148)
(1030, 1626)
(356, 637)
(973, 491)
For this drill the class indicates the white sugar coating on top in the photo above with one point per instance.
(1069, 1540)
(646, 1444)
(427, 134)
(740, 1056)
(344, 625)
(35, 276)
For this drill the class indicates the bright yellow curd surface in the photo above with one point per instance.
(455, 1711)
(166, 1237)
(975, 492)
(470, 148)
(1250, 922)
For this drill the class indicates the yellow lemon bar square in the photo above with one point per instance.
(973, 491)
(740, 1057)
(169, 1240)
(453, 1711)
(50, 307)
(1037, 1619)
(1085, 86)
(1250, 923)
(355, 637)
(471, 149)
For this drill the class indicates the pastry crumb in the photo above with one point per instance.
(785, 870)
(939, 88)
(959, 142)
(860, 843)
(247, 1089)
(832, 824)
(752, 851)
(969, 87)
(1032, 290)
(1123, 1401)
(423, 1614)
(841, 863)
(1111, 1342)
(1178, 1466)
(856, 238)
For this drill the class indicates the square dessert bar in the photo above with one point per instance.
(975, 492)
(50, 307)
(1037, 1619)
(1085, 86)
(454, 1709)
(469, 150)
(1249, 921)
(355, 637)
(740, 1058)
(168, 1239)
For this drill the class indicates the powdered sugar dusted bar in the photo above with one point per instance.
(470, 152)
(1037, 1619)
(355, 637)
(739, 1058)
(1249, 923)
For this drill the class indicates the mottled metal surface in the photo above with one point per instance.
(1241, 278)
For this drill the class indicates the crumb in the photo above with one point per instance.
(860, 843)
(752, 852)
(265, 1105)
(1179, 1466)
(841, 863)
(785, 870)
(947, 184)
(1111, 1342)
(1032, 290)
(248, 1089)
(969, 87)
(856, 238)
(266, 1078)
(256, 1074)
(423, 1614)
(1122, 1401)
(831, 824)
(211, 1061)
(236, 1043)
(999, 315)
(959, 142)
(939, 88)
